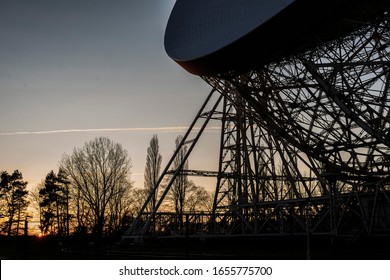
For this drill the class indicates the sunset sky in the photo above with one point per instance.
(74, 70)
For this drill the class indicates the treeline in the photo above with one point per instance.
(92, 193)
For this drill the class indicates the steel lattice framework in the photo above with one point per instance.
(305, 143)
(332, 104)
(259, 175)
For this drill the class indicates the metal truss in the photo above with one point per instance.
(331, 104)
(304, 146)
(255, 171)
(144, 219)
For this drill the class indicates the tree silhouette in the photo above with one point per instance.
(99, 175)
(14, 193)
(62, 178)
(54, 204)
(181, 184)
(152, 171)
(198, 199)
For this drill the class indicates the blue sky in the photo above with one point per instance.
(74, 70)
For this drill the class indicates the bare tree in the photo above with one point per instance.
(99, 175)
(198, 199)
(120, 209)
(139, 197)
(181, 186)
(152, 171)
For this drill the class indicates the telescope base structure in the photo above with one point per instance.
(267, 187)
(304, 149)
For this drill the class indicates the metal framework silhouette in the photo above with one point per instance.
(304, 147)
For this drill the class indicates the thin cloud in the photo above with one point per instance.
(128, 129)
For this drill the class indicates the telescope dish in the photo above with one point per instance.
(214, 37)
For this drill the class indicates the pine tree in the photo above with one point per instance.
(14, 192)
(54, 204)
(62, 179)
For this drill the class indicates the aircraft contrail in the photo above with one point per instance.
(131, 129)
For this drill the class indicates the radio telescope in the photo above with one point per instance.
(303, 83)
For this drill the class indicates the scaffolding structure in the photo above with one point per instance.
(304, 146)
